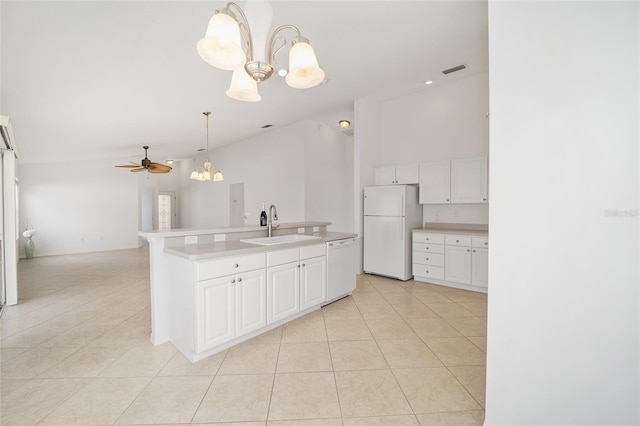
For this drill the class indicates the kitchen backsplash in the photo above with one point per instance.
(456, 213)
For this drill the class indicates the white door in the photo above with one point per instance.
(384, 200)
(457, 264)
(215, 313)
(313, 278)
(283, 291)
(384, 246)
(480, 267)
(435, 180)
(469, 180)
(251, 301)
(166, 210)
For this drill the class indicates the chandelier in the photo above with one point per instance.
(204, 173)
(228, 45)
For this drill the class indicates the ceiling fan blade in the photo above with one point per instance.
(158, 166)
(129, 166)
(159, 171)
(141, 169)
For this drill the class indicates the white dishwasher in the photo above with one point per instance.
(341, 270)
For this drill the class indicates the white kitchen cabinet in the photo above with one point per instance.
(456, 260)
(283, 294)
(480, 261)
(313, 281)
(295, 286)
(251, 301)
(469, 180)
(454, 181)
(457, 264)
(229, 307)
(215, 312)
(396, 175)
(435, 182)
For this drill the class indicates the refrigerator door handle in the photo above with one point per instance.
(402, 229)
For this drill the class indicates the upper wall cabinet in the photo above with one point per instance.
(469, 180)
(454, 181)
(396, 175)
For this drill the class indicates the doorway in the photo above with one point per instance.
(167, 215)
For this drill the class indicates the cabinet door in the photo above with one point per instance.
(251, 301)
(384, 175)
(215, 312)
(407, 175)
(469, 180)
(435, 179)
(313, 280)
(480, 267)
(283, 291)
(457, 264)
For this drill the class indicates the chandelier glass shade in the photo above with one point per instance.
(204, 173)
(228, 45)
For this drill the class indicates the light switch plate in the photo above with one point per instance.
(300, 230)
(316, 229)
(191, 239)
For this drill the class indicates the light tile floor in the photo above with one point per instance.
(76, 351)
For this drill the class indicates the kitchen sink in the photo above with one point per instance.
(280, 239)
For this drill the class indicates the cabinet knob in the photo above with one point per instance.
(235, 266)
(484, 199)
(303, 265)
(457, 241)
(239, 280)
(474, 250)
(233, 281)
(298, 266)
(468, 250)
(427, 238)
(486, 244)
(447, 199)
(427, 272)
(427, 258)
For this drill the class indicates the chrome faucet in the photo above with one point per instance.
(273, 215)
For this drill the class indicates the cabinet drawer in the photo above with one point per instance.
(435, 272)
(480, 242)
(282, 256)
(308, 252)
(457, 240)
(230, 265)
(432, 259)
(427, 238)
(428, 248)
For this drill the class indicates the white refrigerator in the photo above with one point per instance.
(390, 213)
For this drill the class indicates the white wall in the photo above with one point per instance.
(563, 318)
(300, 168)
(79, 207)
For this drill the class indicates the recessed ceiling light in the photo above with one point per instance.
(428, 82)
(169, 161)
(344, 124)
(282, 72)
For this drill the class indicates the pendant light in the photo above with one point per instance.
(204, 173)
(228, 45)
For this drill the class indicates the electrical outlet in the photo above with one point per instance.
(300, 230)
(191, 239)
(219, 238)
(316, 229)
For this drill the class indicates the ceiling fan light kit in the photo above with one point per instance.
(204, 173)
(228, 45)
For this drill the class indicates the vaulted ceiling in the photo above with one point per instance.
(96, 80)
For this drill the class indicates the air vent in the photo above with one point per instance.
(266, 126)
(348, 132)
(454, 69)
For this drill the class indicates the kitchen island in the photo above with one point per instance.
(210, 289)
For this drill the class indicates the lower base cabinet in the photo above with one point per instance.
(313, 279)
(229, 307)
(459, 261)
(283, 295)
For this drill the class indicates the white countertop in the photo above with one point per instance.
(183, 232)
(196, 252)
(452, 231)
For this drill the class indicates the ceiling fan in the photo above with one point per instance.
(147, 165)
